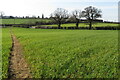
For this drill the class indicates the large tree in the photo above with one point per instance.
(91, 13)
(76, 15)
(59, 16)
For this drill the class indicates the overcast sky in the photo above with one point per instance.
(37, 7)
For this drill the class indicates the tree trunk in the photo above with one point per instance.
(59, 25)
(90, 25)
(77, 23)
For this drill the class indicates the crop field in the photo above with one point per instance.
(23, 21)
(67, 53)
(6, 45)
(86, 25)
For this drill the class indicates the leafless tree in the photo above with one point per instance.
(91, 13)
(59, 16)
(76, 15)
(2, 14)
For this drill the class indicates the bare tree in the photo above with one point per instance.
(76, 15)
(2, 14)
(91, 13)
(59, 16)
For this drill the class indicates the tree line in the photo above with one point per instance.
(60, 15)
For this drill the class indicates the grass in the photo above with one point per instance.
(32, 21)
(85, 25)
(23, 21)
(6, 45)
(0, 53)
(70, 53)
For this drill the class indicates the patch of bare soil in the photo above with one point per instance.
(18, 67)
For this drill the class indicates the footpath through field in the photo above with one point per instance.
(18, 68)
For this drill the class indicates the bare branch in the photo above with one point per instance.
(59, 15)
(76, 15)
(91, 13)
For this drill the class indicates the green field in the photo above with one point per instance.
(23, 21)
(67, 53)
(33, 21)
(86, 25)
(6, 45)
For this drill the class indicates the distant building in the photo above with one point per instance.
(96, 20)
(6, 17)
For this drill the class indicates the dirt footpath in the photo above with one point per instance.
(18, 68)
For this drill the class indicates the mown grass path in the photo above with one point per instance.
(18, 67)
